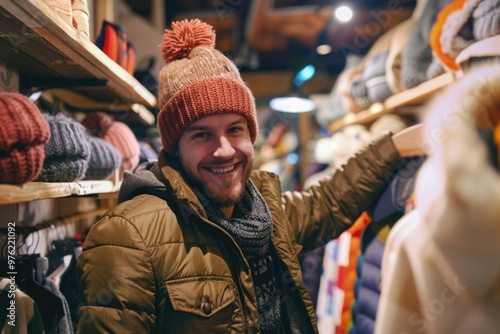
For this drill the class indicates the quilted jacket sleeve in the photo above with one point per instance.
(116, 283)
(324, 211)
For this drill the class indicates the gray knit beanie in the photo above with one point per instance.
(374, 76)
(486, 19)
(417, 53)
(359, 93)
(67, 153)
(104, 159)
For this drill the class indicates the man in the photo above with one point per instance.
(200, 242)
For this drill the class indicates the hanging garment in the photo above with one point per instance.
(387, 211)
(312, 266)
(23, 315)
(64, 326)
(69, 288)
(440, 271)
(368, 275)
(349, 250)
(325, 307)
(49, 306)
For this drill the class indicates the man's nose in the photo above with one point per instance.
(224, 148)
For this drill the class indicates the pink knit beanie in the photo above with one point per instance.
(198, 81)
(23, 135)
(117, 134)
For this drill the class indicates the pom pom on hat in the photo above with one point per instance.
(67, 153)
(98, 123)
(197, 81)
(23, 134)
(184, 37)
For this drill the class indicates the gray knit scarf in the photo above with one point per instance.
(251, 227)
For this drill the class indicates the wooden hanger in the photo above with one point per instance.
(409, 142)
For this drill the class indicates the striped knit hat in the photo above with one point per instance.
(197, 81)
(23, 134)
(117, 134)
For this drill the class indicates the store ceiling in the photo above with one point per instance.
(265, 36)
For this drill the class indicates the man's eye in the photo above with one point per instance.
(201, 135)
(235, 129)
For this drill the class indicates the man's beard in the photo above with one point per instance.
(215, 198)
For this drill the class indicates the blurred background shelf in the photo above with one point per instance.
(410, 97)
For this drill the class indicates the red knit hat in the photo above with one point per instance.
(198, 81)
(23, 134)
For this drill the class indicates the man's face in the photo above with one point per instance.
(217, 155)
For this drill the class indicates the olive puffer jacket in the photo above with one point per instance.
(156, 264)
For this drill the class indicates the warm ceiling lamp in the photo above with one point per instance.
(323, 49)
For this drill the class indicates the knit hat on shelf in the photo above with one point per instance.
(23, 134)
(104, 159)
(67, 153)
(62, 8)
(80, 16)
(417, 56)
(486, 19)
(452, 32)
(197, 81)
(117, 134)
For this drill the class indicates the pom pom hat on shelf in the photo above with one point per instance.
(196, 81)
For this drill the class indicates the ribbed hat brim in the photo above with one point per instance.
(21, 165)
(203, 98)
(104, 159)
(63, 170)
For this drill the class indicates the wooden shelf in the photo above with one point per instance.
(49, 53)
(134, 113)
(43, 190)
(411, 97)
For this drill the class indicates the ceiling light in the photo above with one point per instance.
(343, 13)
(292, 104)
(323, 49)
(303, 75)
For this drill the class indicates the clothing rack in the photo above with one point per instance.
(41, 235)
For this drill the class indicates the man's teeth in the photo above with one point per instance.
(222, 170)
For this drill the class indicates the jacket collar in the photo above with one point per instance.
(171, 172)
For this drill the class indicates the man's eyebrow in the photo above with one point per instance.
(196, 128)
(208, 127)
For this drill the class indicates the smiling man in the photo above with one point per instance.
(217, 155)
(200, 242)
